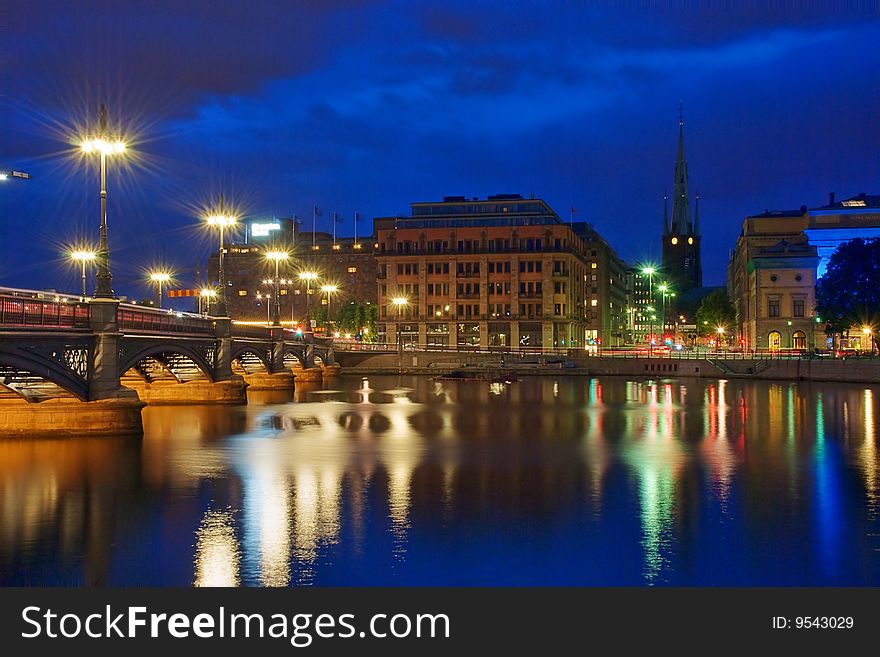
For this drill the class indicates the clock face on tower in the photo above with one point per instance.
(690, 240)
(675, 240)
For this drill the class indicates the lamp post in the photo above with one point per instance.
(83, 257)
(159, 277)
(328, 290)
(260, 297)
(720, 331)
(277, 257)
(104, 146)
(221, 220)
(399, 302)
(205, 296)
(649, 272)
(308, 277)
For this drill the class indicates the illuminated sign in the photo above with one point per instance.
(263, 229)
(853, 204)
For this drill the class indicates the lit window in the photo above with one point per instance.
(242, 293)
(283, 293)
(593, 265)
(352, 270)
(594, 302)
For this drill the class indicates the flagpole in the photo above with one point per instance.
(314, 220)
(357, 218)
(334, 229)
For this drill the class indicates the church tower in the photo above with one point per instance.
(682, 265)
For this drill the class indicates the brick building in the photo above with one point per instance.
(501, 272)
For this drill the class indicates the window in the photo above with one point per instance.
(797, 307)
(594, 302)
(352, 270)
(593, 265)
(242, 293)
(773, 308)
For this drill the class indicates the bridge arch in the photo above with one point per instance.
(294, 357)
(36, 377)
(251, 358)
(179, 360)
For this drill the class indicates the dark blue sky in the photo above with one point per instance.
(371, 105)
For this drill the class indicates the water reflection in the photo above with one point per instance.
(400, 480)
(217, 551)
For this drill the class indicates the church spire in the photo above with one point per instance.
(665, 213)
(680, 200)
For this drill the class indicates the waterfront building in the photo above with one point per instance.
(498, 272)
(772, 283)
(344, 262)
(823, 229)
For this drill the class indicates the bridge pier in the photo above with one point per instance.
(64, 417)
(167, 393)
(270, 381)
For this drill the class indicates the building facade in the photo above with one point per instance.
(343, 262)
(503, 272)
(772, 283)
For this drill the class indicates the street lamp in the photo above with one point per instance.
(83, 257)
(328, 290)
(649, 272)
(221, 220)
(308, 277)
(159, 277)
(260, 297)
(277, 257)
(399, 302)
(206, 294)
(103, 145)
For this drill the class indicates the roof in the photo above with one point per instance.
(854, 202)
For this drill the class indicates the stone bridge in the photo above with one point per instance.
(59, 353)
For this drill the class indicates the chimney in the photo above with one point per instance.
(830, 198)
(803, 209)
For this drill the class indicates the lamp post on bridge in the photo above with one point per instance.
(159, 277)
(308, 277)
(105, 146)
(399, 302)
(277, 257)
(83, 257)
(221, 219)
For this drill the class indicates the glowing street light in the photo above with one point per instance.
(260, 297)
(649, 272)
(83, 257)
(328, 290)
(206, 295)
(277, 257)
(104, 146)
(308, 277)
(221, 220)
(159, 277)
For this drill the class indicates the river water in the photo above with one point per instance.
(409, 481)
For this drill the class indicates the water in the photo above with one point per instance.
(551, 480)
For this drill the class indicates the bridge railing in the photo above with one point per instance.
(250, 330)
(54, 312)
(153, 320)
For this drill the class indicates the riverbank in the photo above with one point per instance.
(782, 369)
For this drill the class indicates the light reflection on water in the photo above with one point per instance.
(401, 480)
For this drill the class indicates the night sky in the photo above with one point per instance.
(369, 106)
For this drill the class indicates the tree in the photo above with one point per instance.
(715, 311)
(353, 317)
(848, 295)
